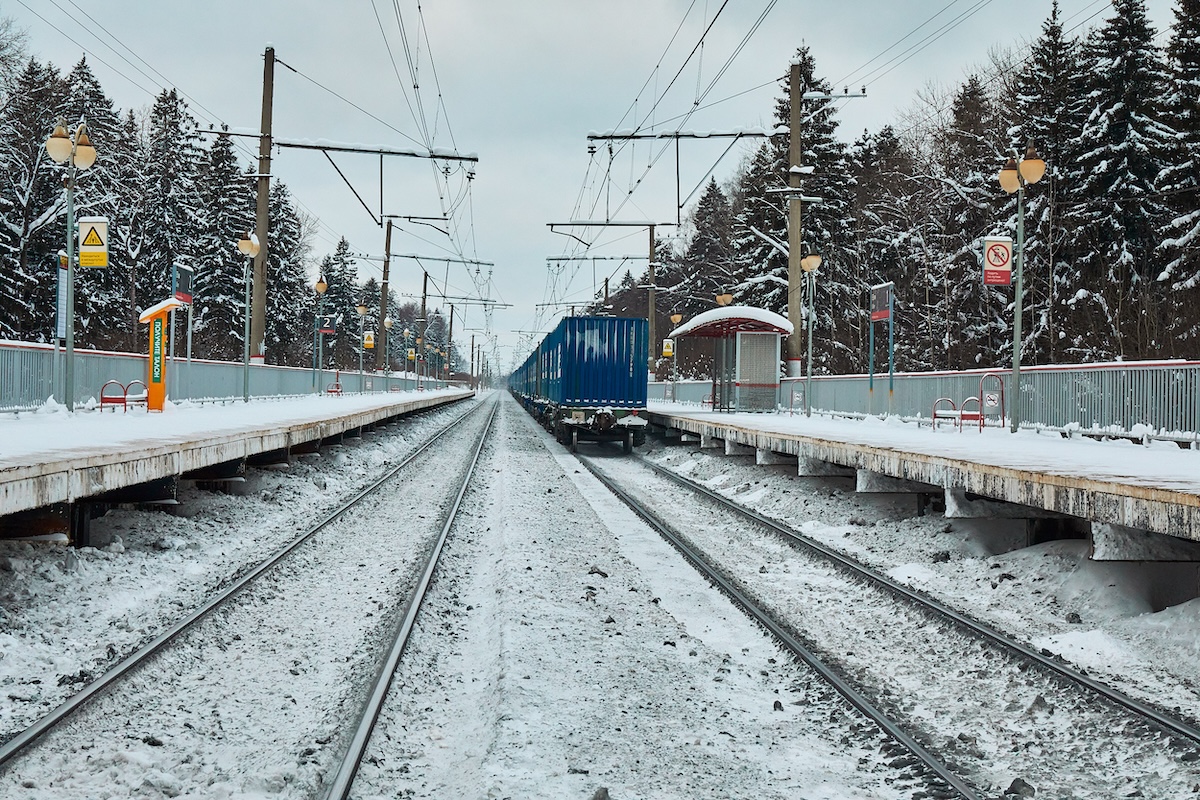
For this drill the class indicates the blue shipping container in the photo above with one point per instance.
(595, 362)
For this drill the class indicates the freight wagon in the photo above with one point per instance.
(586, 381)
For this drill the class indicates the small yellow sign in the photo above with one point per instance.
(369, 340)
(668, 348)
(93, 241)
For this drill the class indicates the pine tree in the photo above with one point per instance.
(340, 300)
(1124, 147)
(1180, 247)
(127, 231)
(1050, 110)
(172, 200)
(891, 226)
(827, 227)
(225, 215)
(289, 297)
(978, 331)
(99, 292)
(706, 266)
(32, 205)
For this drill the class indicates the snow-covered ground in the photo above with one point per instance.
(566, 648)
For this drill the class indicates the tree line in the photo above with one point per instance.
(175, 197)
(1111, 267)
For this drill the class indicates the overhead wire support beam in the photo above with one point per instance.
(735, 135)
(595, 258)
(591, 223)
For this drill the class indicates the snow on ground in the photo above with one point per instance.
(522, 694)
(567, 648)
(1099, 615)
(65, 618)
(51, 432)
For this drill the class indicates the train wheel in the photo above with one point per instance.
(574, 440)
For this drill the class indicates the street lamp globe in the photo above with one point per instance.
(724, 299)
(361, 309)
(387, 323)
(1010, 178)
(676, 319)
(248, 244)
(810, 262)
(85, 154)
(59, 143)
(1032, 168)
(321, 285)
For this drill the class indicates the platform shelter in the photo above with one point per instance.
(746, 355)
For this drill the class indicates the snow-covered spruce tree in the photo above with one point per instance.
(1180, 182)
(290, 298)
(340, 300)
(172, 200)
(33, 223)
(1117, 308)
(1049, 112)
(891, 230)
(225, 215)
(761, 270)
(127, 233)
(100, 294)
(979, 327)
(706, 266)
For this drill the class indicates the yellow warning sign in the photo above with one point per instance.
(93, 242)
(369, 340)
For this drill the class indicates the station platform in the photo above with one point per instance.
(51, 457)
(1153, 487)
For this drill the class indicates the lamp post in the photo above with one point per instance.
(248, 245)
(387, 346)
(676, 318)
(1013, 178)
(318, 337)
(406, 333)
(362, 318)
(810, 263)
(77, 153)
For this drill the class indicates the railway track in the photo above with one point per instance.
(1129, 728)
(301, 625)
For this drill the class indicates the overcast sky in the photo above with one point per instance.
(523, 82)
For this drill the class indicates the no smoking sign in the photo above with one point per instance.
(997, 261)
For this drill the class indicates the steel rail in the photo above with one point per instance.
(14, 746)
(843, 687)
(1172, 724)
(343, 781)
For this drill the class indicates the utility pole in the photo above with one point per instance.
(258, 317)
(450, 340)
(472, 358)
(650, 302)
(381, 329)
(795, 348)
(424, 323)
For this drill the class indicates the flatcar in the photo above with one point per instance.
(586, 381)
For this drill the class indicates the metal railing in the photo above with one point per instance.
(30, 374)
(1160, 398)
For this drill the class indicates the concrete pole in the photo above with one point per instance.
(650, 313)
(795, 343)
(258, 320)
(382, 331)
(422, 338)
(449, 341)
